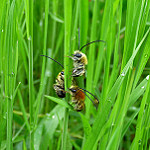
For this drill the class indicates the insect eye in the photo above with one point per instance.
(62, 73)
(78, 55)
(73, 90)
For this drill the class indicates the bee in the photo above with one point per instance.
(77, 94)
(80, 60)
(59, 85)
(78, 97)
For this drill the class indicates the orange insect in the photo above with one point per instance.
(78, 97)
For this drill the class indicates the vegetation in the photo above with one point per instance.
(31, 114)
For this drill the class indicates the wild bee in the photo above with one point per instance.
(78, 97)
(78, 94)
(59, 85)
(80, 60)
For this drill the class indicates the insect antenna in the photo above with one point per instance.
(53, 60)
(89, 97)
(89, 93)
(91, 43)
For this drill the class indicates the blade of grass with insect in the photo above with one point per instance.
(67, 67)
(103, 114)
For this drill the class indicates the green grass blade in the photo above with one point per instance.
(67, 52)
(83, 22)
(31, 86)
(91, 58)
(59, 101)
(103, 114)
(23, 110)
(138, 134)
(42, 85)
(103, 36)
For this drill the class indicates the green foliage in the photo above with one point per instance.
(31, 114)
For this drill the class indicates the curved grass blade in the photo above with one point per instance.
(103, 114)
(59, 101)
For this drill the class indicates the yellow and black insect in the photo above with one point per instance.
(77, 94)
(80, 60)
(59, 85)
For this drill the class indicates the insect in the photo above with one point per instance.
(80, 60)
(59, 85)
(78, 97)
(77, 94)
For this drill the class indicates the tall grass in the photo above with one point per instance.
(31, 114)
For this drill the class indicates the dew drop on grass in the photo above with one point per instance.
(146, 55)
(122, 74)
(29, 38)
(147, 78)
(112, 124)
(53, 116)
(41, 23)
(4, 117)
(142, 87)
(48, 73)
(2, 30)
